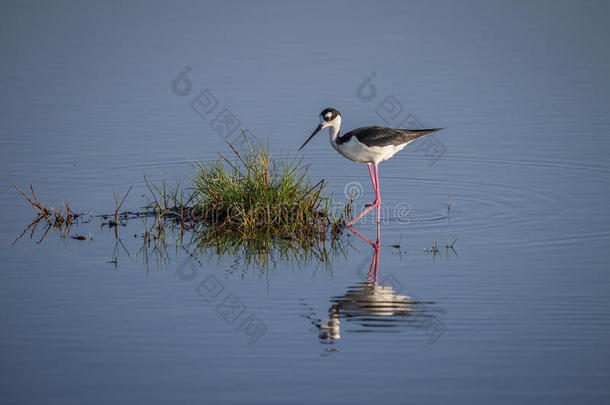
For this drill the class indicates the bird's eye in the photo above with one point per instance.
(328, 116)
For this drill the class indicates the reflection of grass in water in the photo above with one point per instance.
(264, 249)
(259, 252)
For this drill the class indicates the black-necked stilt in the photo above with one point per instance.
(370, 145)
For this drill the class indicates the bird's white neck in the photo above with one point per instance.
(334, 128)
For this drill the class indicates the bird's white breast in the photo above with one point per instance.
(358, 152)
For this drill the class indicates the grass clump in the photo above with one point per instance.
(255, 194)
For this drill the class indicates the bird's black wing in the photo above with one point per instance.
(384, 136)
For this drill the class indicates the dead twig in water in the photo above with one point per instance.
(55, 219)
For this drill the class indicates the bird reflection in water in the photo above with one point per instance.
(371, 307)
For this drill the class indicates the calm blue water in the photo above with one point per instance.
(517, 312)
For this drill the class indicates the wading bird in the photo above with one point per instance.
(370, 145)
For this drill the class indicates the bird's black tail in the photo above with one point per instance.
(413, 134)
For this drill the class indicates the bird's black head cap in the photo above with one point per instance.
(329, 114)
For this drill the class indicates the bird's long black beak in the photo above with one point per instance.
(312, 135)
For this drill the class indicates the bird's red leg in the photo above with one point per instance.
(370, 165)
(377, 195)
(376, 203)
